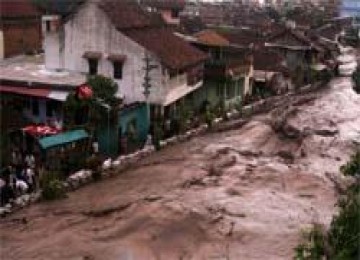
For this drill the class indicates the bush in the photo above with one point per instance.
(344, 233)
(356, 79)
(94, 164)
(52, 187)
(352, 168)
(312, 247)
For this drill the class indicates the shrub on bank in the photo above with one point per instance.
(52, 187)
(342, 240)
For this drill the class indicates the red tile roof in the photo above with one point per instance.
(13, 8)
(243, 38)
(173, 52)
(212, 38)
(126, 14)
(291, 37)
(267, 60)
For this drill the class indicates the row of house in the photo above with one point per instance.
(133, 42)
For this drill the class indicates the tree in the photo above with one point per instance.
(91, 111)
(356, 79)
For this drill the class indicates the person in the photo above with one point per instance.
(95, 146)
(30, 160)
(6, 193)
(30, 178)
(21, 186)
(15, 158)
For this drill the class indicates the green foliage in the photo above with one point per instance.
(52, 187)
(185, 114)
(356, 79)
(342, 240)
(104, 88)
(209, 117)
(93, 110)
(352, 168)
(158, 135)
(94, 164)
(312, 247)
(344, 233)
(238, 104)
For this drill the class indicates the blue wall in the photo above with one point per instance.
(138, 113)
(108, 134)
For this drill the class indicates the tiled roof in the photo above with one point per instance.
(173, 52)
(291, 37)
(126, 14)
(212, 38)
(243, 37)
(267, 60)
(12, 9)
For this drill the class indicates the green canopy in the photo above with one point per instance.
(63, 138)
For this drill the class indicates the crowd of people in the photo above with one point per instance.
(18, 178)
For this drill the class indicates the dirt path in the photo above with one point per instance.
(241, 194)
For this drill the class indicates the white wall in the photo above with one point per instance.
(91, 30)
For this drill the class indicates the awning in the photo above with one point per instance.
(58, 95)
(63, 138)
(92, 55)
(179, 92)
(117, 57)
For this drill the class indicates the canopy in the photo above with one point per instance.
(63, 138)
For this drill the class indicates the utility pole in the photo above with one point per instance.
(147, 80)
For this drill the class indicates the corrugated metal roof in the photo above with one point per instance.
(63, 138)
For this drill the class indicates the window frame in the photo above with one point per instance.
(92, 71)
(118, 70)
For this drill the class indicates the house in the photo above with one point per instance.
(40, 92)
(270, 74)
(227, 72)
(20, 28)
(298, 49)
(32, 95)
(114, 39)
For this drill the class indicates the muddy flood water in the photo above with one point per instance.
(241, 194)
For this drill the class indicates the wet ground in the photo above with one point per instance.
(240, 194)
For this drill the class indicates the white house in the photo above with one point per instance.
(113, 38)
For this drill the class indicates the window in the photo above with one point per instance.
(230, 90)
(118, 69)
(35, 107)
(51, 108)
(93, 66)
(175, 13)
(48, 26)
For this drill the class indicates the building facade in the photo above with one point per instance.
(114, 40)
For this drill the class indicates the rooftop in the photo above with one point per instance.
(212, 38)
(17, 9)
(31, 69)
(173, 51)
